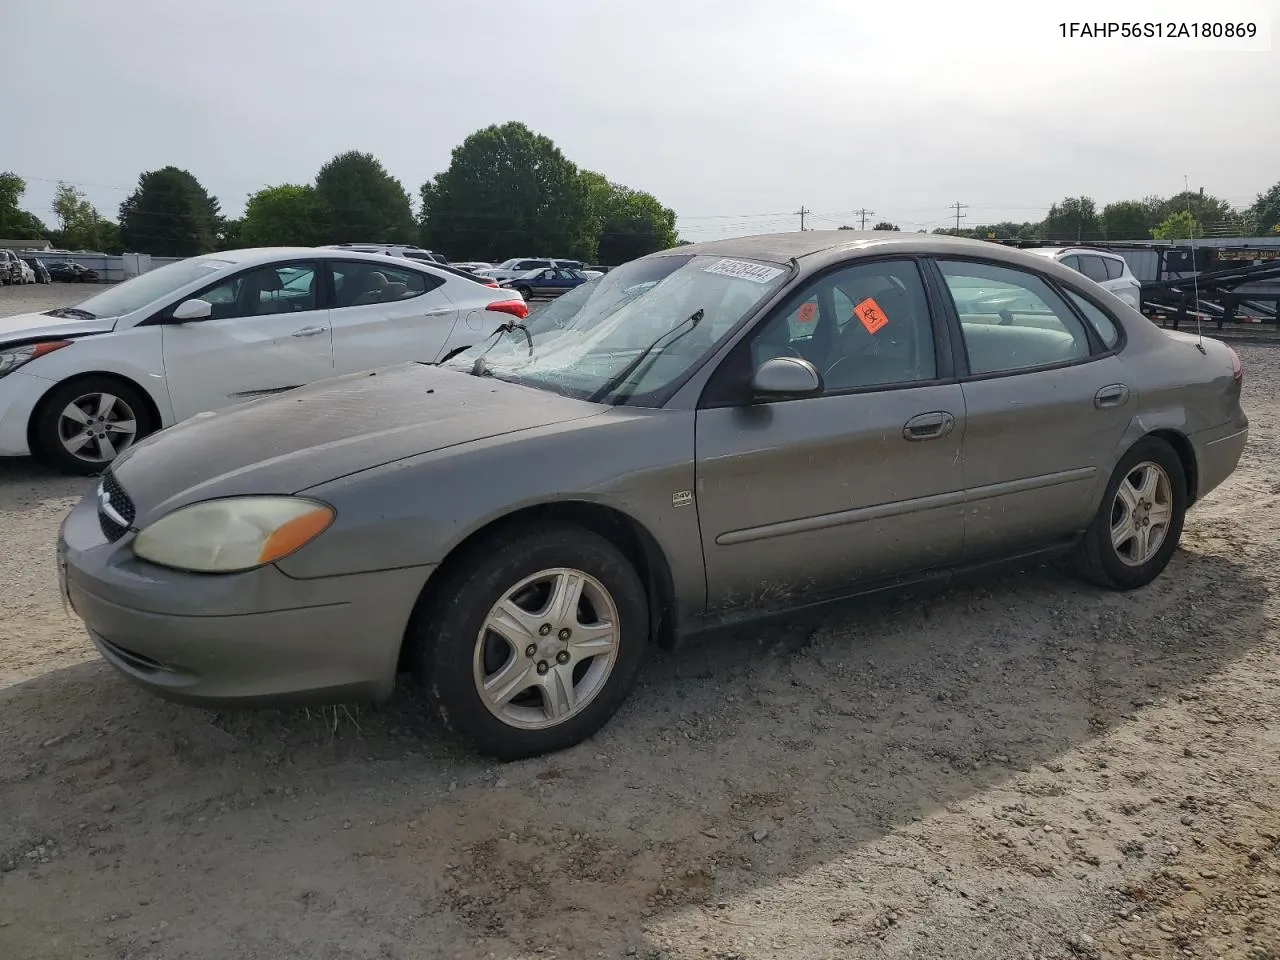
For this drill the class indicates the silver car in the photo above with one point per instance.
(699, 437)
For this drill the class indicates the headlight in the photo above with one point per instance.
(238, 533)
(11, 358)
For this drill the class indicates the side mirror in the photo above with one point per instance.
(192, 310)
(790, 376)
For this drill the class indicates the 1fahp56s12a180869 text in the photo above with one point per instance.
(1160, 30)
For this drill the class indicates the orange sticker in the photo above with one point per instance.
(807, 312)
(872, 317)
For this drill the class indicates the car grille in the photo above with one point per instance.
(121, 503)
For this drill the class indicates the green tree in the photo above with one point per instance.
(886, 225)
(359, 202)
(1214, 216)
(169, 215)
(80, 225)
(1179, 225)
(1265, 212)
(283, 216)
(637, 224)
(1129, 219)
(845, 227)
(1075, 218)
(16, 223)
(508, 189)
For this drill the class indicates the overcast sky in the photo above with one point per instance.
(733, 112)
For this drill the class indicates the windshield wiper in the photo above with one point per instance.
(479, 369)
(675, 333)
(73, 312)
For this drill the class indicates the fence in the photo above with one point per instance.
(111, 269)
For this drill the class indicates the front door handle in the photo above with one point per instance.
(929, 426)
(438, 313)
(308, 332)
(1114, 395)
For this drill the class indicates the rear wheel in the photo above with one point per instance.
(1136, 530)
(536, 637)
(82, 425)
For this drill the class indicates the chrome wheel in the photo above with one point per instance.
(546, 649)
(97, 427)
(1141, 513)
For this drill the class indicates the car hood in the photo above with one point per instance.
(289, 442)
(36, 326)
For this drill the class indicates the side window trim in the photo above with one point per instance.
(964, 372)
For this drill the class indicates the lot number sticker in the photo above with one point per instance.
(807, 312)
(755, 272)
(870, 314)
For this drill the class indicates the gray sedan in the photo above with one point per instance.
(699, 437)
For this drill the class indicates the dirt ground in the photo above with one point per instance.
(1021, 767)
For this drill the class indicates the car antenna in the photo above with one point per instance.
(1195, 267)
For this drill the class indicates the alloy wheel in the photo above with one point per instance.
(1141, 513)
(97, 427)
(546, 648)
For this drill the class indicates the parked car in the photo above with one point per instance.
(79, 385)
(74, 272)
(766, 422)
(39, 269)
(472, 266)
(1109, 270)
(392, 250)
(544, 283)
(28, 274)
(10, 268)
(517, 266)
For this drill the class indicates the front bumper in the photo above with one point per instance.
(19, 394)
(256, 637)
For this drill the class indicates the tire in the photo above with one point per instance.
(457, 654)
(525, 292)
(1123, 566)
(48, 422)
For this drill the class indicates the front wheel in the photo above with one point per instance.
(525, 292)
(82, 425)
(1136, 529)
(535, 640)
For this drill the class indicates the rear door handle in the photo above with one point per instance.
(929, 426)
(438, 313)
(308, 332)
(1114, 395)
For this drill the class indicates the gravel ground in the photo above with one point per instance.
(1019, 767)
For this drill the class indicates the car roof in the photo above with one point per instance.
(819, 247)
(253, 255)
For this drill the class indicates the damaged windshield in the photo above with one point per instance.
(627, 333)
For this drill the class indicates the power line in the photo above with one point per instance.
(864, 213)
(958, 207)
(803, 213)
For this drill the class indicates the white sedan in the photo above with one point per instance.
(79, 385)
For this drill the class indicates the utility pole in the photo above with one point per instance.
(958, 207)
(864, 213)
(803, 213)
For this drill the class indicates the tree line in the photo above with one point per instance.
(1183, 216)
(508, 191)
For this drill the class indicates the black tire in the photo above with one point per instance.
(46, 443)
(525, 292)
(447, 632)
(1096, 558)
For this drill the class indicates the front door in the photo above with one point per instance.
(1047, 406)
(268, 332)
(384, 314)
(803, 499)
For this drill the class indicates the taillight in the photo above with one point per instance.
(1237, 368)
(517, 308)
(492, 283)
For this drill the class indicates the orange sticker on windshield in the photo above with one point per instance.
(872, 317)
(807, 312)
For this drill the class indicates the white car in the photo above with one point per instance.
(79, 385)
(1109, 270)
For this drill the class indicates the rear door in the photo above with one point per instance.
(268, 332)
(383, 313)
(1046, 403)
(806, 498)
